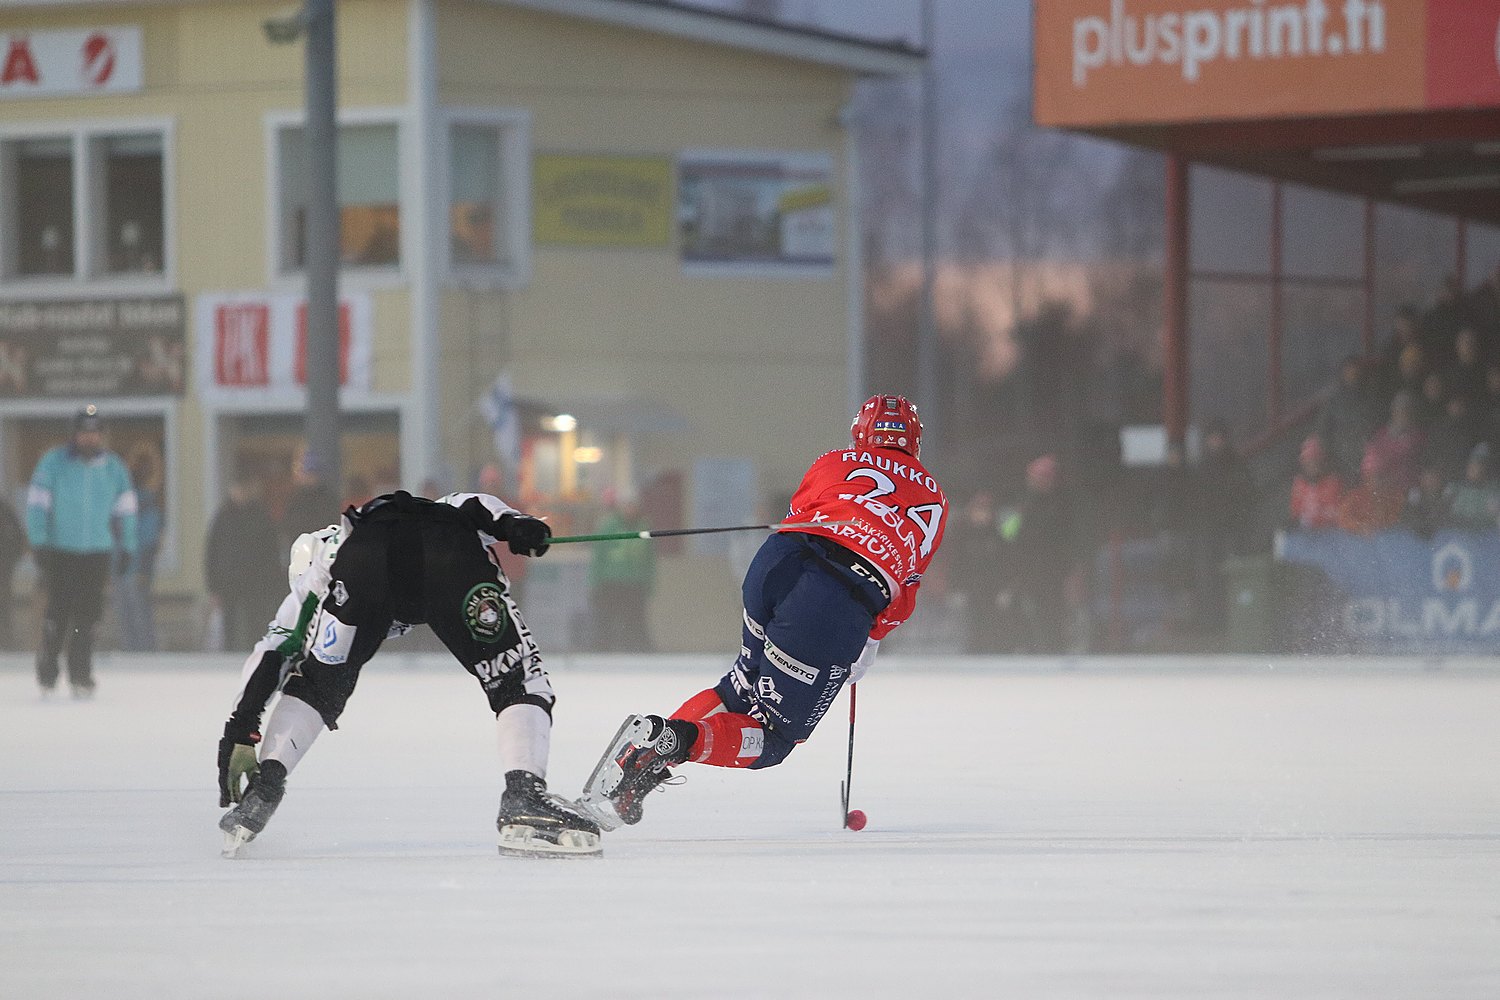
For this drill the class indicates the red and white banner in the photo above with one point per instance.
(257, 342)
(59, 63)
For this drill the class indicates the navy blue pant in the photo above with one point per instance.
(806, 622)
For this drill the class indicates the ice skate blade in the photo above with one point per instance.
(607, 774)
(520, 841)
(601, 811)
(235, 838)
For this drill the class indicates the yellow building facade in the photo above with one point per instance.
(593, 250)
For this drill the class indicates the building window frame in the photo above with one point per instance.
(353, 277)
(89, 276)
(513, 236)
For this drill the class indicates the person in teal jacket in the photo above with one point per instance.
(80, 511)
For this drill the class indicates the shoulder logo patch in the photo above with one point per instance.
(484, 612)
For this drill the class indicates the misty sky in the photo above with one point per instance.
(979, 26)
(982, 55)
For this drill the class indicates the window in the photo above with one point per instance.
(474, 207)
(120, 215)
(44, 207)
(369, 174)
(131, 169)
(488, 211)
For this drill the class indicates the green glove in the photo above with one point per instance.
(236, 761)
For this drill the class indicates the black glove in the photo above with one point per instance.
(236, 761)
(526, 535)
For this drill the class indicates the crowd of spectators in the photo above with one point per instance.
(1407, 437)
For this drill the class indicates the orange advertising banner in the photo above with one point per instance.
(1463, 54)
(1122, 62)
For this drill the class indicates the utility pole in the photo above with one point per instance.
(927, 380)
(314, 25)
(323, 243)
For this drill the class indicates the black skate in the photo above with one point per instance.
(636, 763)
(247, 819)
(535, 823)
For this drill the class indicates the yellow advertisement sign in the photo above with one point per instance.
(602, 201)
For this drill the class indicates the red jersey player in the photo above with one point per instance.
(818, 600)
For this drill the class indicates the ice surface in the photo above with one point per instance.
(1033, 834)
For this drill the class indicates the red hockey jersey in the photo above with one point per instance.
(899, 514)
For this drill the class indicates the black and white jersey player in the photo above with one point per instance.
(392, 563)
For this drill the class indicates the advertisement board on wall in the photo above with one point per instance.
(602, 201)
(756, 210)
(1397, 593)
(1118, 62)
(92, 348)
(254, 341)
(59, 63)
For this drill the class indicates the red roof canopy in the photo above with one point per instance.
(1397, 100)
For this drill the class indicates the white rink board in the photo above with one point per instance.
(1033, 834)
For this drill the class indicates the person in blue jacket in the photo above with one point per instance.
(80, 511)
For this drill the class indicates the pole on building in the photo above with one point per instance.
(322, 242)
(1461, 253)
(1277, 332)
(927, 379)
(1367, 333)
(1175, 297)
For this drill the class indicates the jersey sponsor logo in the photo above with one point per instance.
(334, 642)
(484, 612)
(860, 571)
(752, 742)
(765, 689)
(789, 665)
(768, 716)
(831, 690)
(497, 667)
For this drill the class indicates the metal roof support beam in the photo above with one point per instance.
(1175, 345)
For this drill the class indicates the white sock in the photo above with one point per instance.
(525, 739)
(290, 731)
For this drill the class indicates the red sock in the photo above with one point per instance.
(700, 706)
(725, 739)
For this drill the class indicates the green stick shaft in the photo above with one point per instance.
(620, 536)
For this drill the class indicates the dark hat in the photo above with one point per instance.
(87, 419)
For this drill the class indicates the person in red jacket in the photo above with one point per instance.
(1316, 491)
(818, 600)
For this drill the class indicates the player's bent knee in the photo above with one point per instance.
(508, 696)
(775, 750)
(323, 686)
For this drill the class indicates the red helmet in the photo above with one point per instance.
(889, 422)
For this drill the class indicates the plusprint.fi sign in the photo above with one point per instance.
(1193, 39)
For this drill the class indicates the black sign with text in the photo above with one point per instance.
(92, 347)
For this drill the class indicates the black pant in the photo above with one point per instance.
(416, 570)
(74, 585)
